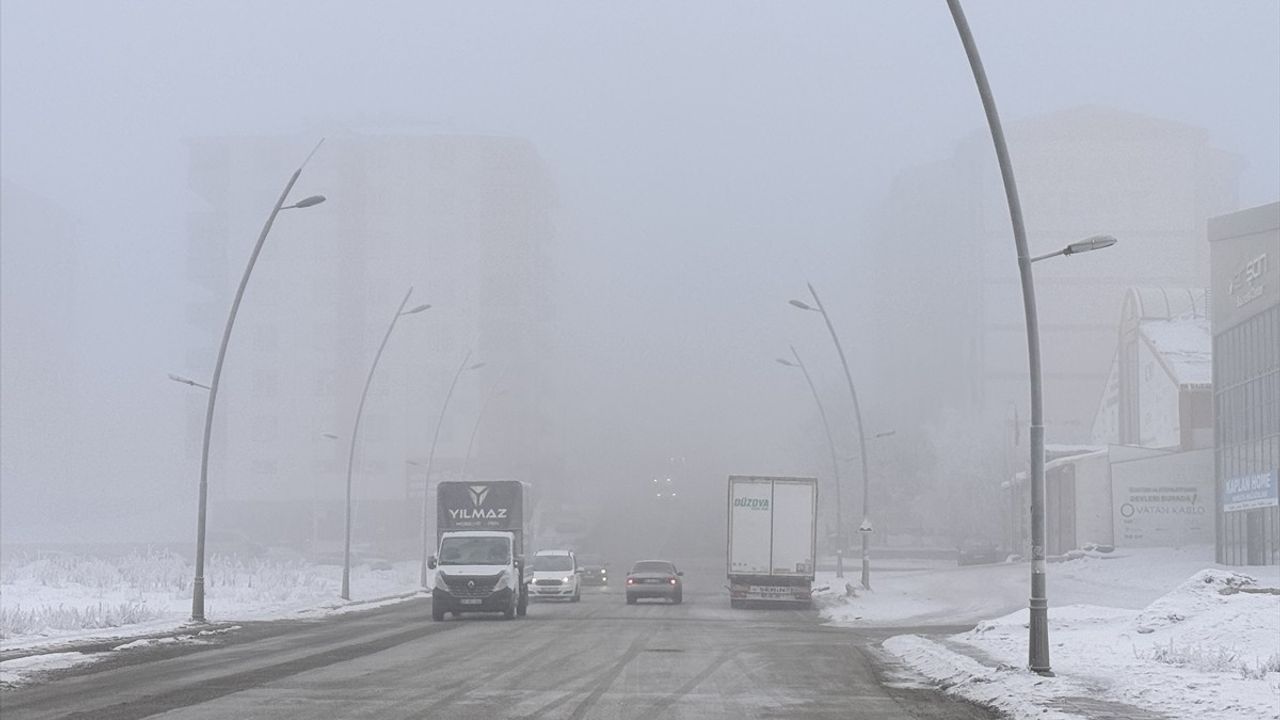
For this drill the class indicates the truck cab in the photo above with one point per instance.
(479, 561)
(477, 571)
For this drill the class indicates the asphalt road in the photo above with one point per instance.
(599, 658)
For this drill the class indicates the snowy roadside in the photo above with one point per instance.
(1147, 629)
(49, 605)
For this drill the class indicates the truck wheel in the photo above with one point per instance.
(437, 614)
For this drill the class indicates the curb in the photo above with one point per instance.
(104, 644)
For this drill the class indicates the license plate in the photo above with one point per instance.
(770, 590)
(470, 601)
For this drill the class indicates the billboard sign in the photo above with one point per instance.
(1164, 500)
(1251, 491)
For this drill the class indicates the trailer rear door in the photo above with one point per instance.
(750, 519)
(794, 507)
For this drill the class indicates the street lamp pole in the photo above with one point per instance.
(197, 585)
(831, 444)
(431, 456)
(1038, 640)
(862, 440)
(355, 434)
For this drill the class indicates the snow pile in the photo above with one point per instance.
(23, 670)
(941, 593)
(1216, 621)
(204, 637)
(1015, 693)
(1209, 649)
(68, 597)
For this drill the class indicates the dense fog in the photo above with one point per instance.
(609, 206)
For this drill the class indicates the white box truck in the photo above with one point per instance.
(773, 537)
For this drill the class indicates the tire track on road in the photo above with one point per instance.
(235, 682)
(609, 676)
(693, 682)
(461, 688)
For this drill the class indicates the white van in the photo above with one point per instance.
(553, 574)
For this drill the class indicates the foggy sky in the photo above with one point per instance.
(709, 158)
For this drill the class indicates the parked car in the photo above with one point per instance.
(655, 579)
(975, 551)
(554, 575)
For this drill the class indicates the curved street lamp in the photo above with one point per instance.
(831, 443)
(355, 433)
(187, 381)
(1038, 628)
(431, 456)
(864, 529)
(197, 585)
(475, 429)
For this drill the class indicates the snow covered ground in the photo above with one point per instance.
(54, 600)
(1158, 629)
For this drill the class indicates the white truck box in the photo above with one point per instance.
(772, 544)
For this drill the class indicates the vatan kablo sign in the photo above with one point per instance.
(1247, 492)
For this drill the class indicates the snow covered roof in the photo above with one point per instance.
(1184, 346)
(1056, 454)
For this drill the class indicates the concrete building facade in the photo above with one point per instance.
(1245, 313)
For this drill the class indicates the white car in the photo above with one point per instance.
(554, 574)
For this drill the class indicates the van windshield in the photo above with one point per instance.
(475, 551)
(552, 563)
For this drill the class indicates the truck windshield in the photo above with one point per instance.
(552, 563)
(475, 551)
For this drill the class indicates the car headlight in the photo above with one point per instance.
(505, 579)
(567, 579)
(440, 582)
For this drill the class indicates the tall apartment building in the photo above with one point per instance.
(945, 288)
(467, 221)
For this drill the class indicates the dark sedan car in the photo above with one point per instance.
(594, 574)
(978, 552)
(655, 579)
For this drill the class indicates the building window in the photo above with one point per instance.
(1247, 401)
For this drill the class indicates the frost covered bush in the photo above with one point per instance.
(26, 621)
(155, 571)
(1196, 657)
(261, 579)
(60, 570)
(1260, 669)
(1212, 659)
